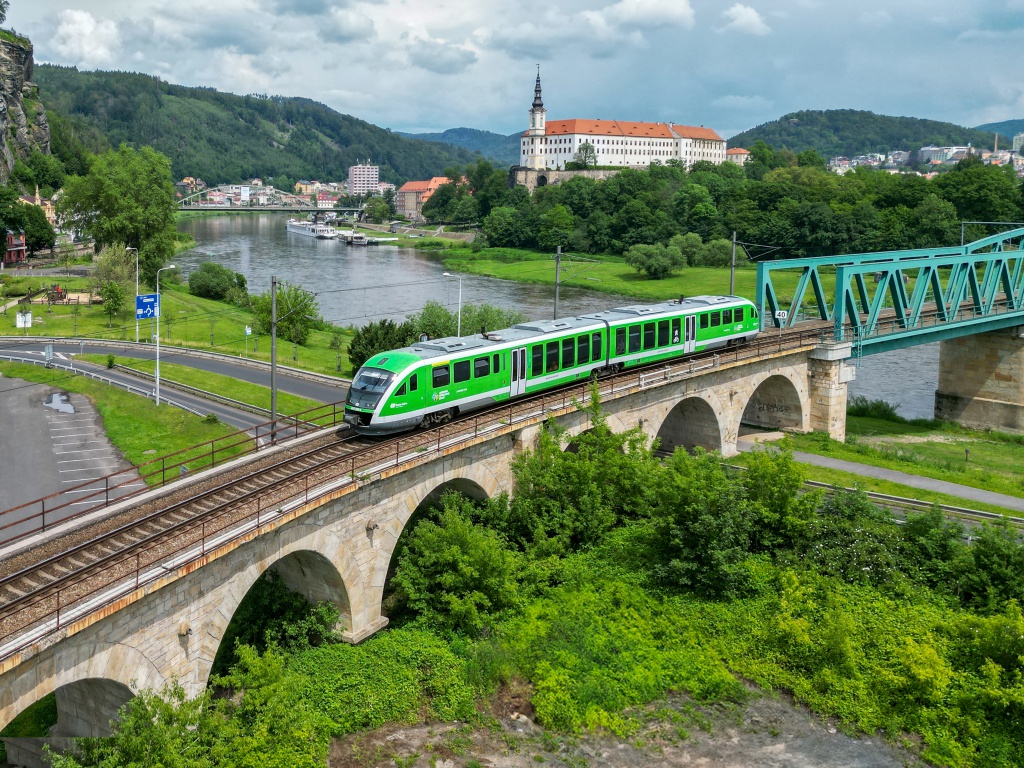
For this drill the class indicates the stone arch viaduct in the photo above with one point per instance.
(338, 548)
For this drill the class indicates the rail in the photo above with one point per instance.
(147, 562)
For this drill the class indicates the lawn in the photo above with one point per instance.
(226, 386)
(995, 461)
(187, 321)
(139, 429)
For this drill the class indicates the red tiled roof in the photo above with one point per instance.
(627, 128)
(736, 151)
(414, 186)
(695, 132)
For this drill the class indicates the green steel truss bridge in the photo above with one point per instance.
(895, 299)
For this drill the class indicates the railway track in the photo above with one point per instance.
(56, 590)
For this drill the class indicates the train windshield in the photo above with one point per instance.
(368, 386)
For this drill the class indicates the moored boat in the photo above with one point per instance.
(311, 229)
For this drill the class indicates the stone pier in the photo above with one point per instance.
(981, 380)
(827, 377)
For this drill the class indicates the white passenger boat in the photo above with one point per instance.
(311, 229)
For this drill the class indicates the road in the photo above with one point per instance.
(227, 366)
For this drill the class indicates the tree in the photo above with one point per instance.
(689, 246)
(503, 228)
(4, 5)
(128, 198)
(12, 212)
(211, 281)
(585, 156)
(115, 264)
(656, 261)
(376, 337)
(114, 300)
(389, 198)
(65, 257)
(377, 210)
(39, 235)
(297, 313)
(556, 228)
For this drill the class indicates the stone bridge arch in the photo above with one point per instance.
(696, 421)
(776, 402)
(312, 560)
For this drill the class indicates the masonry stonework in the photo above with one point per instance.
(981, 380)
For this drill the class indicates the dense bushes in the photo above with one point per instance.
(215, 281)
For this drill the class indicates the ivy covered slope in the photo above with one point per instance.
(849, 132)
(221, 137)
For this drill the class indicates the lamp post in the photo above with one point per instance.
(458, 331)
(169, 266)
(129, 248)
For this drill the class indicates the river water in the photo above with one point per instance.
(355, 285)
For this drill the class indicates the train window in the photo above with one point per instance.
(481, 367)
(551, 364)
(676, 338)
(537, 363)
(442, 376)
(663, 333)
(595, 347)
(462, 369)
(649, 338)
(401, 391)
(568, 352)
(497, 363)
(726, 316)
(412, 382)
(704, 320)
(634, 338)
(716, 319)
(583, 349)
(753, 313)
(620, 341)
(737, 315)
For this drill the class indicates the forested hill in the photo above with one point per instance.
(221, 137)
(1005, 128)
(504, 149)
(853, 132)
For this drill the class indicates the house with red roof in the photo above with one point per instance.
(410, 196)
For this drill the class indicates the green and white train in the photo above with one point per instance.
(432, 381)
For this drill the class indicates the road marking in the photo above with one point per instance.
(79, 461)
(65, 429)
(77, 442)
(87, 469)
(84, 450)
(80, 434)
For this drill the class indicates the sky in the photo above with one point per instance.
(428, 65)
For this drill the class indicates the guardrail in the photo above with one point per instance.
(121, 573)
(212, 396)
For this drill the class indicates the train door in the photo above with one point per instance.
(691, 334)
(518, 372)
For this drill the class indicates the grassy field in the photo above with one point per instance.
(243, 391)
(938, 450)
(187, 321)
(139, 429)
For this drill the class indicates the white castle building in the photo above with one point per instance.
(616, 142)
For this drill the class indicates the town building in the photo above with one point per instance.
(737, 155)
(384, 186)
(363, 179)
(15, 253)
(325, 200)
(1018, 142)
(304, 187)
(550, 145)
(410, 196)
(43, 202)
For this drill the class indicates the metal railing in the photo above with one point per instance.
(150, 560)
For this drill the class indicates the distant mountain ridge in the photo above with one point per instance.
(853, 132)
(1005, 128)
(221, 137)
(504, 149)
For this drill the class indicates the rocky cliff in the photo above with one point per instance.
(23, 126)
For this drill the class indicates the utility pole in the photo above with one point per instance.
(273, 359)
(558, 272)
(732, 267)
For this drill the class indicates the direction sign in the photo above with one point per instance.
(248, 330)
(147, 305)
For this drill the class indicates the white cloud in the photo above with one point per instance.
(440, 56)
(743, 18)
(344, 26)
(650, 13)
(82, 40)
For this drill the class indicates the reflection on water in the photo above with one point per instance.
(357, 284)
(59, 403)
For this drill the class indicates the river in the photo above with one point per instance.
(357, 284)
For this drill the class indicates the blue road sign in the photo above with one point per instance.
(147, 305)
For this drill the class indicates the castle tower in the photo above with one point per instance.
(533, 140)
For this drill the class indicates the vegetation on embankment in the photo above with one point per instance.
(226, 386)
(877, 436)
(135, 426)
(611, 579)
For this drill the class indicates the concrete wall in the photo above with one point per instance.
(981, 380)
(518, 176)
(340, 549)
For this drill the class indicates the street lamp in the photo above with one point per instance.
(169, 266)
(458, 331)
(136, 288)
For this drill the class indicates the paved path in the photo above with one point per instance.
(904, 478)
(314, 390)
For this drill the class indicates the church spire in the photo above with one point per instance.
(538, 103)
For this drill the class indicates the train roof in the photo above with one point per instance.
(452, 345)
